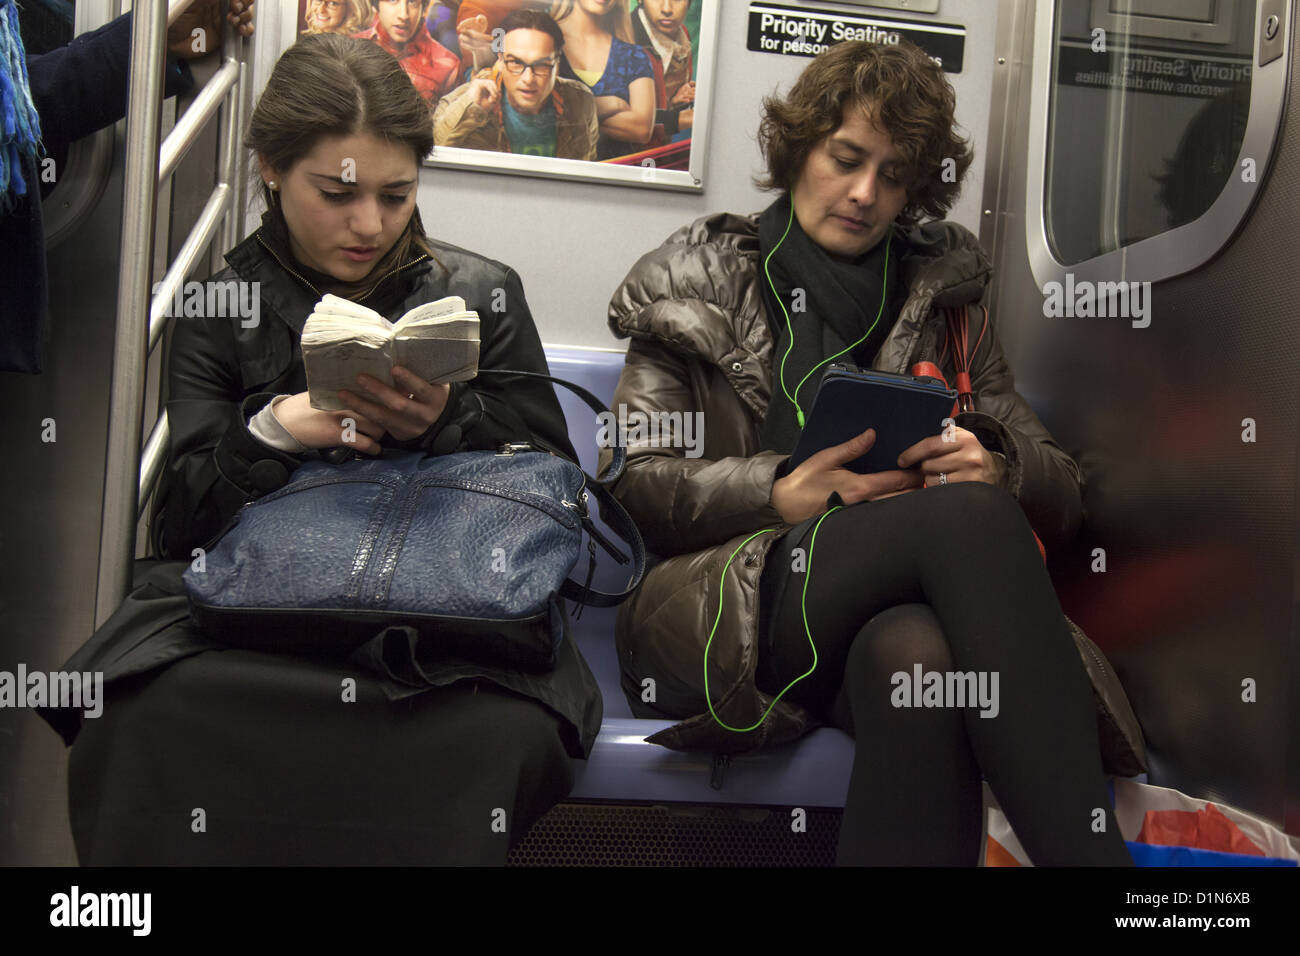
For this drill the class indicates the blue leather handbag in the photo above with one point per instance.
(473, 550)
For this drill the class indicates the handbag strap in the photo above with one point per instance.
(621, 523)
(611, 511)
(597, 406)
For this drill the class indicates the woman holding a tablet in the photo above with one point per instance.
(793, 597)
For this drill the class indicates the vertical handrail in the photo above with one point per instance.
(128, 478)
(231, 120)
(130, 356)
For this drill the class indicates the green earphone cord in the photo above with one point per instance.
(812, 543)
(879, 312)
(803, 604)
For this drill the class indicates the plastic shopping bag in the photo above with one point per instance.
(1158, 824)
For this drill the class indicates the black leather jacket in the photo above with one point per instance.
(221, 374)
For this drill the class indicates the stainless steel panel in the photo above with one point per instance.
(1166, 253)
(1198, 526)
(50, 496)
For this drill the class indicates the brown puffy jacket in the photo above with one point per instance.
(700, 341)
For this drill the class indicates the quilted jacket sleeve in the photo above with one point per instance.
(684, 504)
(679, 305)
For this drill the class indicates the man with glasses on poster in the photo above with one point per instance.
(519, 104)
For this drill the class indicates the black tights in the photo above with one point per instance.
(950, 578)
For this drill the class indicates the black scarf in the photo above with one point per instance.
(839, 300)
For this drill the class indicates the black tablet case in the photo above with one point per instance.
(903, 409)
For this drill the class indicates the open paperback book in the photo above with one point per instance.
(438, 341)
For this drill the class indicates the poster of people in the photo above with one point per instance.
(578, 89)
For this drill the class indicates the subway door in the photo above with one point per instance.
(1141, 216)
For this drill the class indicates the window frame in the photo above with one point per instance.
(1179, 250)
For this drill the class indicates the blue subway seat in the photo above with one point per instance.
(810, 772)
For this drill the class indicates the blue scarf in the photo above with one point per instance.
(20, 128)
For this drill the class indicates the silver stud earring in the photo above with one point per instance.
(273, 185)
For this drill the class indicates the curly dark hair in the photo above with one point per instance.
(906, 95)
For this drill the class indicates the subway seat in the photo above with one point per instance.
(810, 772)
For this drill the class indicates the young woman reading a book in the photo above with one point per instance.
(767, 572)
(432, 761)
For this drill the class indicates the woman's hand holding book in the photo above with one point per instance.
(403, 414)
(314, 428)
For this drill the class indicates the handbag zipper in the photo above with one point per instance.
(316, 483)
(541, 502)
(533, 499)
(405, 507)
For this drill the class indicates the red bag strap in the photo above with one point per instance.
(959, 337)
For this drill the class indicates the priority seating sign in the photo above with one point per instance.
(799, 31)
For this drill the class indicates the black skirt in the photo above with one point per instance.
(209, 755)
(153, 629)
(235, 757)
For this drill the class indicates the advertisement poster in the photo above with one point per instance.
(604, 90)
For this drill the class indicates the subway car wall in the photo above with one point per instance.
(1184, 569)
(1196, 525)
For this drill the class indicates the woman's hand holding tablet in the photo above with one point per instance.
(803, 493)
(956, 454)
(959, 457)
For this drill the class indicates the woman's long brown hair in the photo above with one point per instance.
(327, 85)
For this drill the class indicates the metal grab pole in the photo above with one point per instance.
(231, 130)
(130, 357)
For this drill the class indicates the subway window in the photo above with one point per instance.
(1154, 121)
